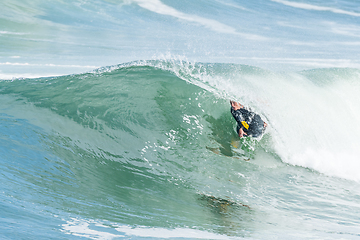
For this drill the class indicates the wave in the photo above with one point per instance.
(176, 106)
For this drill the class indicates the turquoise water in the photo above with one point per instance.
(115, 120)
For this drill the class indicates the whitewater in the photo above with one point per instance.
(115, 119)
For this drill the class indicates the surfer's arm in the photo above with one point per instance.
(241, 132)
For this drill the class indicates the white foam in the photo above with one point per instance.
(344, 29)
(158, 7)
(86, 228)
(37, 70)
(341, 163)
(23, 75)
(169, 233)
(307, 6)
(46, 65)
(10, 33)
(316, 125)
(81, 229)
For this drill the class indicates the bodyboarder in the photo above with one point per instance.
(248, 122)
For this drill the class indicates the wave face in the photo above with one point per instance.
(148, 149)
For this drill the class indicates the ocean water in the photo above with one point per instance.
(115, 119)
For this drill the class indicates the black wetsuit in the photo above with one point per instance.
(250, 122)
